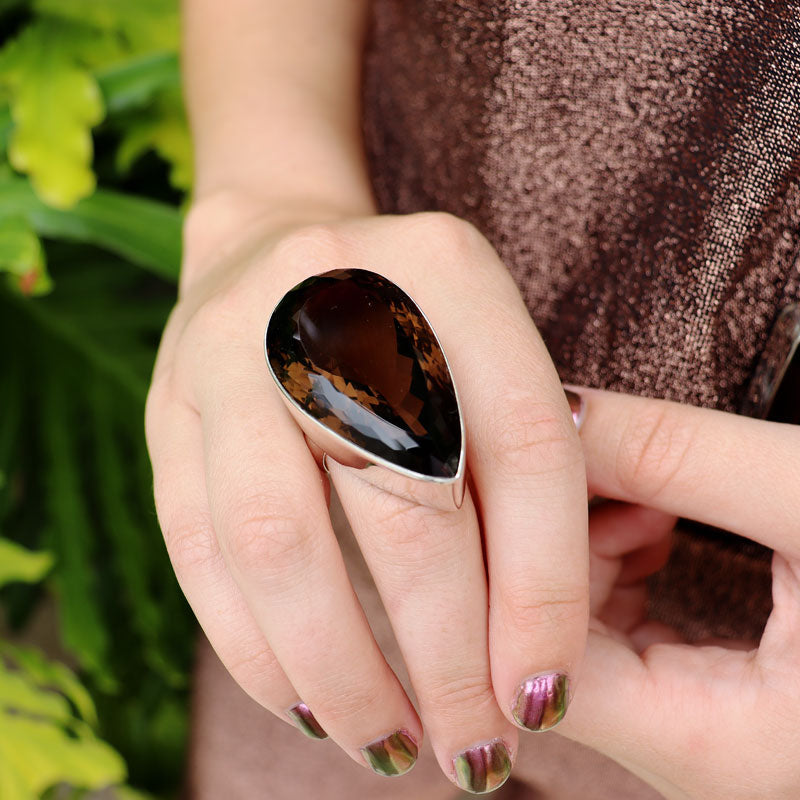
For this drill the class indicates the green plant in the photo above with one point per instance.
(94, 161)
(71, 66)
(46, 716)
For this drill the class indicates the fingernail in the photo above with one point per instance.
(301, 715)
(391, 755)
(577, 406)
(541, 701)
(483, 768)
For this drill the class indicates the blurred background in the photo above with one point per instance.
(95, 166)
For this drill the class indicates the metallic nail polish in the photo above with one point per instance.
(541, 701)
(301, 715)
(577, 405)
(391, 755)
(483, 768)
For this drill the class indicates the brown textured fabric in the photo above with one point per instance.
(637, 166)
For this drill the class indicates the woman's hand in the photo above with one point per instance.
(242, 503)
(699, 722)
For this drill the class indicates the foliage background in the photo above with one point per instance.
(95, 163)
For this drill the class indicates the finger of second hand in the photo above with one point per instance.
(722, 469)
(428, 567)
(626, 544)
(268, 506)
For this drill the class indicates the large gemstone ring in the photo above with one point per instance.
(366, 379)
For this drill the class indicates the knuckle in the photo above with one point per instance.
(322, 244)
(266, 543)
(220, 314)
(408, 521)
(461, 695)
(254, 667)
(530, 610)
(530, 437)
(440, 229)
(414, 541)
(362, 697)
(191, 545)
(208, 320)
(654, 448)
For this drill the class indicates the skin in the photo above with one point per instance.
(281, 188)
(242, 501)
(237, 747)
(720, 716)
(282, 194)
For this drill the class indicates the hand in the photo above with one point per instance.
(695, 721)
(242, 503)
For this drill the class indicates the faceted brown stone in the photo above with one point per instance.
(351, 349)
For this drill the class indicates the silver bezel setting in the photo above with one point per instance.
(441, 493)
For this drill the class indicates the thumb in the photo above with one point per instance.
(780, 642)
(642, 711)
(603, 711)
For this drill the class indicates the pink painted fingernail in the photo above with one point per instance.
(541, 701)
(302, 717)
(391, 755)
(577, 406)
(483, 768)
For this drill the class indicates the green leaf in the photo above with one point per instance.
(162, 128)
(6, 126)
(133, 83)
(144, 231)
(145, 24)
(54, 104)
(53, 675)
(19, 564)
(42, 742)
(20, 695)
(22, 256)
(69, 534)
(82, 453)
(35, 755)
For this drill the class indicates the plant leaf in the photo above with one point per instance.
(135, 82)
(145, 231)
(123, 615)
(20, 695)
(22, 256)
(54, 104)
(36, 755)
(145, 24)
(162, 128)
(53, 675)
(69, 534)
(19, 564)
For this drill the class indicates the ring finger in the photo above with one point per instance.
(428, 567)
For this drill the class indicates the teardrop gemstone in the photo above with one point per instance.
(351, 349)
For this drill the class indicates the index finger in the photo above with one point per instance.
(725, 470)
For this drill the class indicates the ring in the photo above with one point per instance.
(366, 379)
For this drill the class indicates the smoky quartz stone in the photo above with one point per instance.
(353, 351)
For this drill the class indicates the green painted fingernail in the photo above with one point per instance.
(391, 755)
(483, 768)
(302, 717)
(541, 701)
